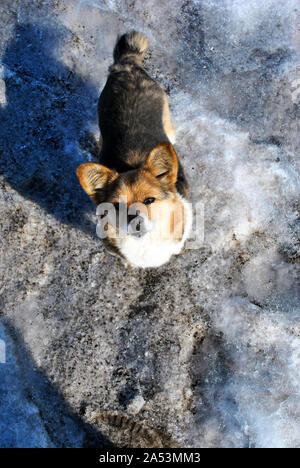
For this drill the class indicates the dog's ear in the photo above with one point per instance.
(162, 162)
(94, 178)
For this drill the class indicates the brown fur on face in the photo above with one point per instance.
(155, 179)
(136, 187)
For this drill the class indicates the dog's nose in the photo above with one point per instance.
(136, 225)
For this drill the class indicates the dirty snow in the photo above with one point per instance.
(206, 348)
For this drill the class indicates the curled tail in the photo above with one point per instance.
(131, 45)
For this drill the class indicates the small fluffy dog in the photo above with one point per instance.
(139, 187)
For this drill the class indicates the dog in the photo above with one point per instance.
(139, 184)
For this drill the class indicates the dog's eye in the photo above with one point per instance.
(148, 201)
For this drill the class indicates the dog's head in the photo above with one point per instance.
(141, 200)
